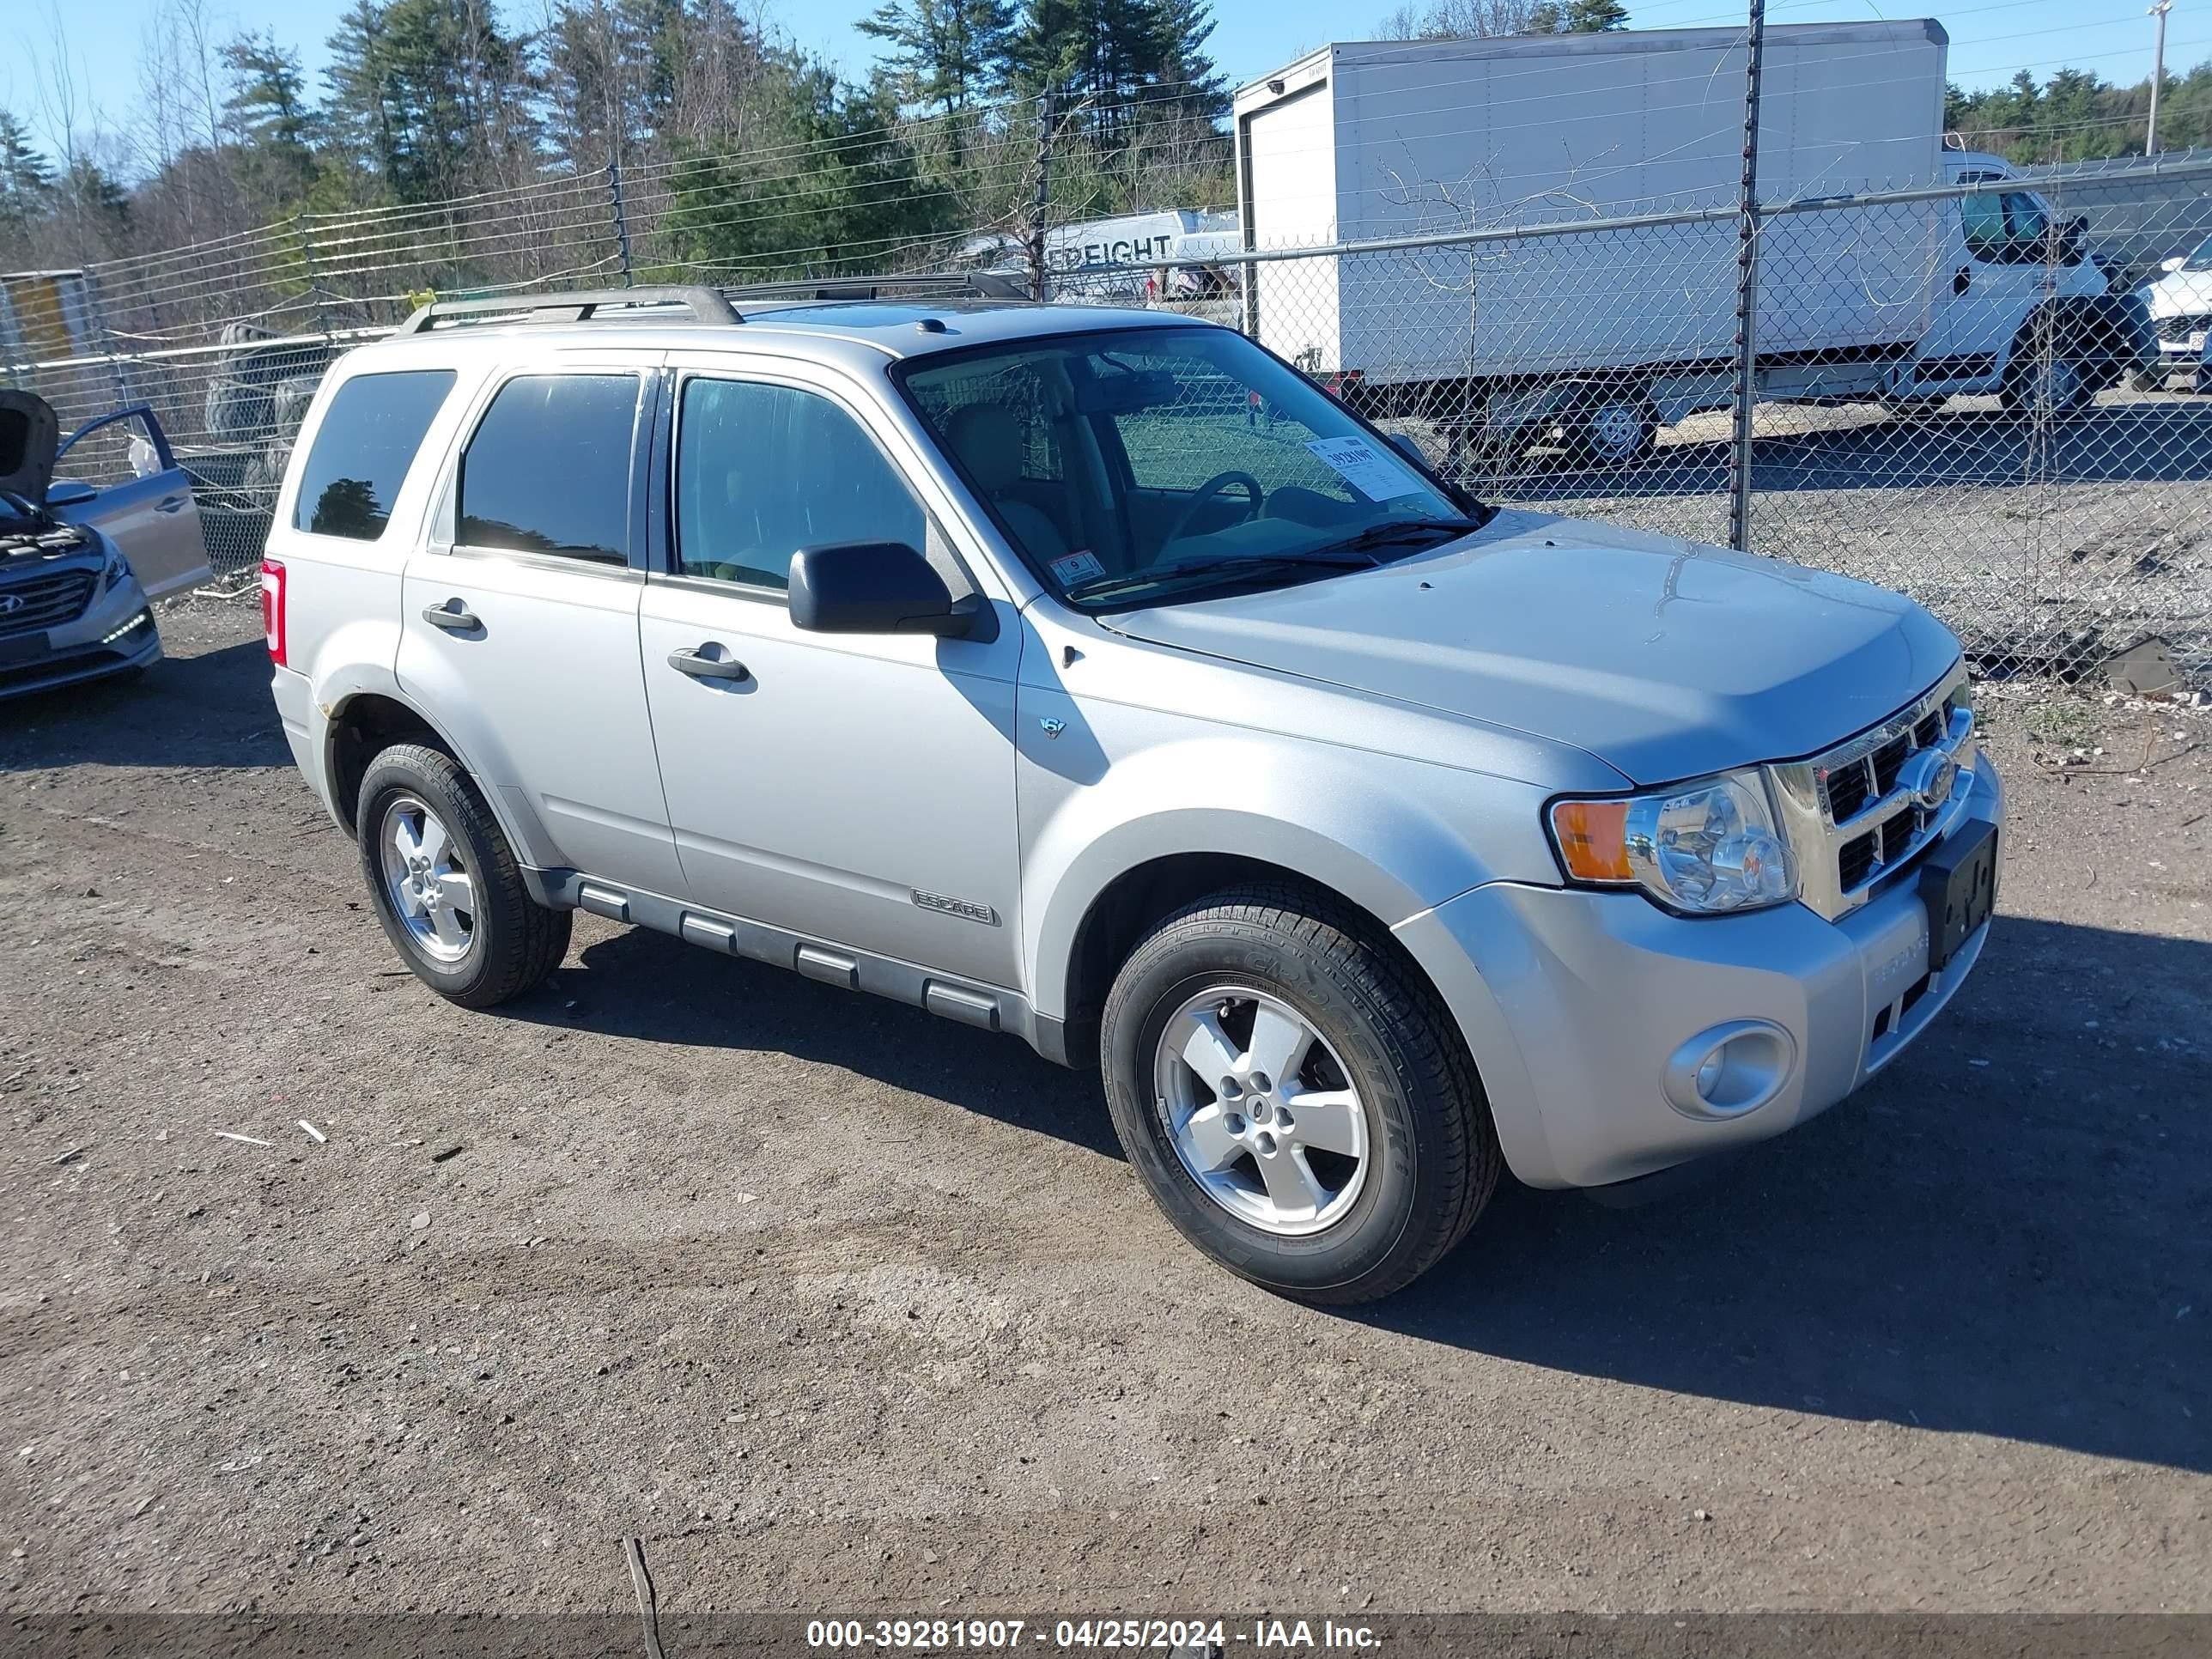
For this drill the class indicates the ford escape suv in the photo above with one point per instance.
(1094, 676)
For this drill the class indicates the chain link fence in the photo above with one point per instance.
(1985, 393)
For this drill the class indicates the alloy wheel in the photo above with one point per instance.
(1261, 1110)
(426, 880)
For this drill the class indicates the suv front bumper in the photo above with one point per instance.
(1575, 1004)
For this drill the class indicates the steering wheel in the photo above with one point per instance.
(1206, 491)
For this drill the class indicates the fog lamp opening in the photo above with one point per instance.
(1731, 1069)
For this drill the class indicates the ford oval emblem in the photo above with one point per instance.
(1928, 776)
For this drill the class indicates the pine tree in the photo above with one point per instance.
(425, 91)
(827, 181)
(1577, 17)
(1181, 66)
(359, 108)
(943, 55)
(268, 115)
(26, 181)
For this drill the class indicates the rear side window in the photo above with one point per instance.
(363, 450)
(548, 470)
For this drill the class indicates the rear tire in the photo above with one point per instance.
(446, 886)
(1613, 429)
(1294, 1096)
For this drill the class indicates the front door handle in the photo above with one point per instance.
(707, 668)
(453, 616)
(170, 504)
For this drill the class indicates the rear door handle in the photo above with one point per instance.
(170, 504)
(707, 668)
(453, 616)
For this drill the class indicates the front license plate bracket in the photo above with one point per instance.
(1958, 884)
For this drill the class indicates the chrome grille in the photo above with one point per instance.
(43, 601)
(1851, 819)
(2176, 330)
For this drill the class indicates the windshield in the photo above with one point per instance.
(2200, 260)
(1142, 466)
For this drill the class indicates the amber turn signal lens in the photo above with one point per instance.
(1593, 838)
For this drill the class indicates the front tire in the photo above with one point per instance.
(446, 886)
(1295, 1097)
(2049, 385)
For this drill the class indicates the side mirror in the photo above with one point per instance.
(873, 587)
(2174, 263)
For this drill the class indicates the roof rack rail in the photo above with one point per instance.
(916, 285)
(707, 305)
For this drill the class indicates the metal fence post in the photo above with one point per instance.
(622, 222)
(1044, 189)
(314, 277)
(1747, 291)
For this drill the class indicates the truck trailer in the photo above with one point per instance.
(1593, 337)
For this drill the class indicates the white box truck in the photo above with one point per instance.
(1594, 339)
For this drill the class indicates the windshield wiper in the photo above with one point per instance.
(1392, 531)
(1347, 557)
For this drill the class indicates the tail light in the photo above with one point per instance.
(272, 609)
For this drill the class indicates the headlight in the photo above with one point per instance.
(1705, 847)
(118, 572)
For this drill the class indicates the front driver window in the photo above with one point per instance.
(1985, 227)
(762, 471)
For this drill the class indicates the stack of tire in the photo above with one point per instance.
(256, 399)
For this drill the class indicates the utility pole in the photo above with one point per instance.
(2157, 75)
(1747, 288)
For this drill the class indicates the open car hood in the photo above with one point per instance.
(28, 437)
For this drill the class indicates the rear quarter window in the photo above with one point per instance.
(361, 452)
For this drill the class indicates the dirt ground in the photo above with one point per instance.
(843, 1309)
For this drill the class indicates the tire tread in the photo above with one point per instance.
(540, 935)
(1435, 1057)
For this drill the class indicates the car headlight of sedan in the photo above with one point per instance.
(1706, 847)
(116, 574)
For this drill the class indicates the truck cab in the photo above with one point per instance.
(2017, 307)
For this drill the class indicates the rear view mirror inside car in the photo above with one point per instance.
(1128, 393)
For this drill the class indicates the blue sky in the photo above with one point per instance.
(1990, 39)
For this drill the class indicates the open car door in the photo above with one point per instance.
(151, 516)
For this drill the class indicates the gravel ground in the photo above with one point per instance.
(844, 1308)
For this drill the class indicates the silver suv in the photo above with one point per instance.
(1094, 676)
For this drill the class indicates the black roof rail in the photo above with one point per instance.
(707, 305)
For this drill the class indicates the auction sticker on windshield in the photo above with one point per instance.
(1365, 468)
(1073, 567)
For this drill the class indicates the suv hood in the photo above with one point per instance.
(1664, 658)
